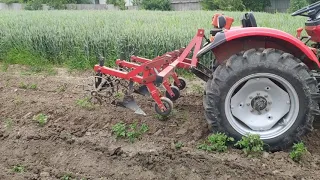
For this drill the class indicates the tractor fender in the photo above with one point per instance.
(222, 38)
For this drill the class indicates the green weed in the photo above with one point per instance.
(18, 169)
(33, 86)
(298, 150)
(22, 85)
(85, 103)
(251, 144)
(62, 88)
(119, 130)
(8, 123)
(4, 67)
(197, 89)
(66, 177)
(41, 119)
(179, 145)
(216, 142)
(131, 131)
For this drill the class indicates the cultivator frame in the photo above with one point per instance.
(151, 73)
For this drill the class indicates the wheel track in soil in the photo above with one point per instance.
(79, 141)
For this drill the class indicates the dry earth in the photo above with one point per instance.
(78, 142)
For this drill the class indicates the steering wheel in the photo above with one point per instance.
(309, 8)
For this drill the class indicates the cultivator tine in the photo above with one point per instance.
(130, 103)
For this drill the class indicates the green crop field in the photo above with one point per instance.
(74, 38)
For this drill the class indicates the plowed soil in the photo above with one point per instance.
(78, 142)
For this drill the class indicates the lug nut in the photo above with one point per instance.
(267, 109)
(250, 97)
(248, 104)
(265, 96)
(269, 102)
(251, 110)
(258, 94)
(288, 102)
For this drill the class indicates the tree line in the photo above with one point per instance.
(165, 5)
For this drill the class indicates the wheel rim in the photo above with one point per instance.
(262, 103)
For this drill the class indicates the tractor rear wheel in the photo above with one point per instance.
(266, 92)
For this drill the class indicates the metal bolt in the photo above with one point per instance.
(259, 113)
(251, 110)
(250, 97)
(258, 94)
(248, 104)
(265, 96)
(269, 102)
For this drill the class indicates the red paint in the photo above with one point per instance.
(299, 31)
(314, 32)
(274, 33)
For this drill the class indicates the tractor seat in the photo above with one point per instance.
(248, 20)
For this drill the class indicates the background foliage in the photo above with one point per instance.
(235, 5)
(296, 5)
(75, 38)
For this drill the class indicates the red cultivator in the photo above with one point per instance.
(151, 73)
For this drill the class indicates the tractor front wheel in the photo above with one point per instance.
(265, 92)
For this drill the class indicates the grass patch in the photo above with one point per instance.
(33, 61)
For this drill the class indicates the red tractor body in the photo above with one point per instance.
(314, 32)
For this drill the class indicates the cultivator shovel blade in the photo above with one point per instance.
(130, 103)
(142, 90)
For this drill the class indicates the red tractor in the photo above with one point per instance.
(262, 81)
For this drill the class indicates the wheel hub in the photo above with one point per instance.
(253, 104)
(259, 103)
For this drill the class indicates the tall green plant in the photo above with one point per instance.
(256, 5)
(119, 3)
(162, 5)
(296, 5)
(229, 5)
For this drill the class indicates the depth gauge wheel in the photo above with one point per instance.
(183, 83)
(167, 103)
(266, 92)
(176, 93)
